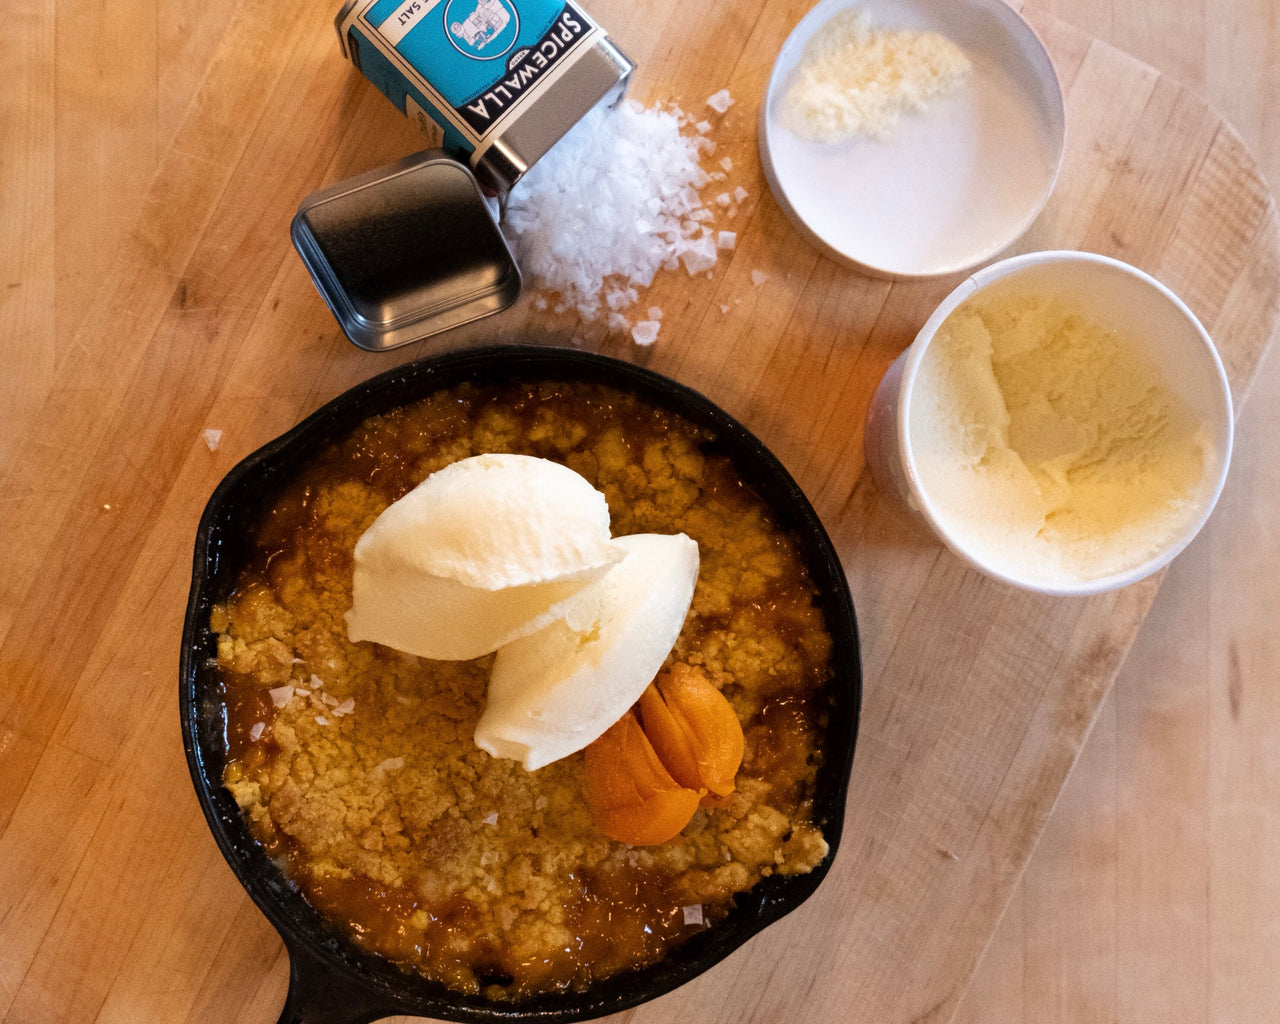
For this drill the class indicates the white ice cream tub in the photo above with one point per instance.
(1116, 296)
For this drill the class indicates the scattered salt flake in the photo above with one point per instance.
(402, 699)
(281, 695)
(645, 332)
(693, 914)
(212, 438)
(618, 323)
(540, 804)
(346, 707)
(724, 199)
(740, 193)
(726, 163)
(720, 101)
(620, 298)
(724, 307)
(703, 127)
(655, 312)
(758, 277)
(316, 682)
(699, 256)
(301, 692)
(389, 764)
(321, 720)
(726, 240)
(255, 733)
(329, 699)
(491, 818)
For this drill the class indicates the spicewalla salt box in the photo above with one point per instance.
(407, 251)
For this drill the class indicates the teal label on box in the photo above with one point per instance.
(474, 60)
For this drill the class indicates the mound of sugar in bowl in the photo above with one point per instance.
(612, 203)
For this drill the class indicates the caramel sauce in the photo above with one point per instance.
(619, 920)
(626, 919)
(779, 742)
(394, 923)
(245, 706)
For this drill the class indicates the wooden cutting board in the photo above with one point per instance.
(115, 900)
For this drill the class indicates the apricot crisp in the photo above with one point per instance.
(649, 771)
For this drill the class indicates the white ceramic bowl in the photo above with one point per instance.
(1114, 296)
(950, 187)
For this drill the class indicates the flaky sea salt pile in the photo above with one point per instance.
(613, 202)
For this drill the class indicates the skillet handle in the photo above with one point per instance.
(321, 993)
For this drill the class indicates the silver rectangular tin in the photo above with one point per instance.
(406, 251)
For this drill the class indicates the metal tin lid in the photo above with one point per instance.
(406, 251)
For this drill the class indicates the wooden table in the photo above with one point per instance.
(152, 158)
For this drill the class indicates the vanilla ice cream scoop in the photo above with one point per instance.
(553, 691)
(481, 552)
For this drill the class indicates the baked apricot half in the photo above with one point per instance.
(633, 797)
(694, 730)
(681, 745)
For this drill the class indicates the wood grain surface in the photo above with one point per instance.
(152, 155)
(1154, 892)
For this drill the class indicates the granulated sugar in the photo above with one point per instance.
(613, 202)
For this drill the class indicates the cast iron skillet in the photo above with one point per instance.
(333, 981)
